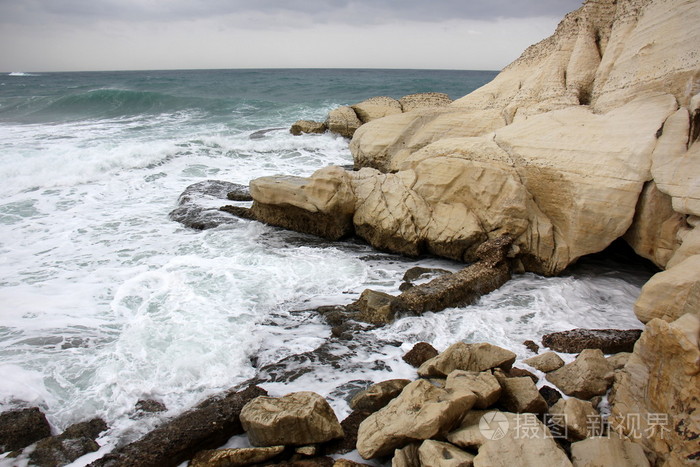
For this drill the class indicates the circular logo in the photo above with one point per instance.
(493, 425)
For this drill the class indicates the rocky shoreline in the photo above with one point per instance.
(591, 136)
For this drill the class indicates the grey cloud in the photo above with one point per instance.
(329, 11)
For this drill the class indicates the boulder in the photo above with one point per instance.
(587, 376)
(484, 385)
(607, 340)
(373, 307)
(467, 357)
(307, 126)
(419, 273)
(320, 205)
(520, 395)
(419, 354)
(546, 362)
(671, 294)
(343, 121)
(594, 452)
(424, 100)
(656, 397)
(576, 419)
(235, 457)
(146, 406)
(21, 427)
(422, 411)
(207, 426)
(376, 107)
(525, 442)
(378, 395)
(531, 346)
(296, 419)
(439, 454)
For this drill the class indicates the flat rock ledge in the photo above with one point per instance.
(345, 120)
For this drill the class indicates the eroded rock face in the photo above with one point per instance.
(343, 121)
(422, 411)
(296, 419)
(589, 375)
(670, 294)
(321, 205)
(76, 441)
(376, 107)
(656, 397)
(424, 100)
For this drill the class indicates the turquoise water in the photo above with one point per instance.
(104, 300)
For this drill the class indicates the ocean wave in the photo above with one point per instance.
(21, 73)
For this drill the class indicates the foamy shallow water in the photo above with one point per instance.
(105, 301)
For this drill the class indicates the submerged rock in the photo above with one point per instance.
(199, 205)
(22, 427)
(76, 441)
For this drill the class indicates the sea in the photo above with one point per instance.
(106, 301)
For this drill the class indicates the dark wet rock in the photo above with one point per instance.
(198, 206)
(76, 441)
(531, 346)
(378, 395)
(350, 426)
(307, 126)
(206, 426)
(350, 389)
(315, 462)
(238, 211)
(608, 340)
(419, 273)
(22, 427)
(239, 193)
(419, 354)
(550, 395)
(463, 287)
(260, 134)
(150, 406)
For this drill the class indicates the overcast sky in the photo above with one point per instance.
(65, 35)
